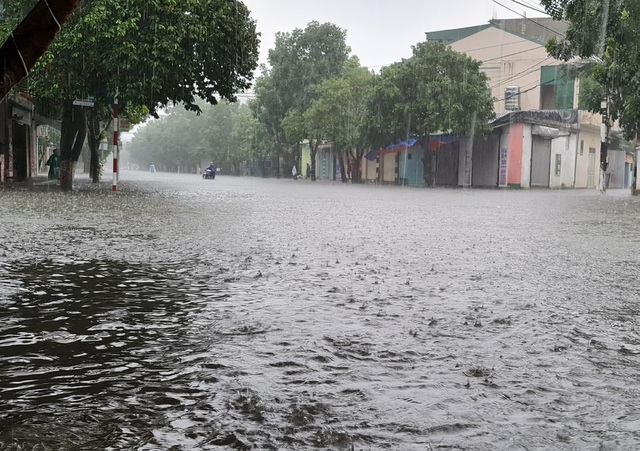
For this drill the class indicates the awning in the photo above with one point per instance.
(435, 142)
(545, 132)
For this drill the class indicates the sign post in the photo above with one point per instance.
(114, 185)
(87, 103)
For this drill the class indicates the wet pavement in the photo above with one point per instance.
(242, 313)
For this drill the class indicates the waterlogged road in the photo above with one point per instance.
(241, 313)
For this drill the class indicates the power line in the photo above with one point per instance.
(513, 54)
(527, 90)
(526, 18)
(532, 8)
(521, 74)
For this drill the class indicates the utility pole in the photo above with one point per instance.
(604, 138)
(604, 105)
(116, 150)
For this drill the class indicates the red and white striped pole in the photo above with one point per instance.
(114, 185)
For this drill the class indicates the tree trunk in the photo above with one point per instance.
(31, 39)
(72, 135)
(356, 165)
(67, 170)
(94, 137)
(343, 169)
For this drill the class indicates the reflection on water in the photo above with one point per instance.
(272, 315)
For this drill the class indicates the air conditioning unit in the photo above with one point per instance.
(512, 98)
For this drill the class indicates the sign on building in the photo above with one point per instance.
(512, 98)
(42, 131)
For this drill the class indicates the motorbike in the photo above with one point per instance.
(209, 174)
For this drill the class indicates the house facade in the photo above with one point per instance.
(524, 78)
(18, 140)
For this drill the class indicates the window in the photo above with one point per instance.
(409, 155)
(558, 164)
(581, 147)
(556, 89)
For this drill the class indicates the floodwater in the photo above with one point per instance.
(190, 314)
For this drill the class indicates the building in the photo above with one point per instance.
(524, 78)
(18, 140)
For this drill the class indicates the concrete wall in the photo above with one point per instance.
(508, 60)
(563, 147)
(388, 168)
(515, 154)
(411, 166)
(588, 139)
(369, 170)
(503, 157)
(527, 147)
(305, 158)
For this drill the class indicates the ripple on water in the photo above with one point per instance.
(238, 315)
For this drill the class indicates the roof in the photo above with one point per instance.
(455, 34)
(539, 29)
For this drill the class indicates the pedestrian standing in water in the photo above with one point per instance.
(152, 168)
(294, 172)
(308, 171)
(54, 165)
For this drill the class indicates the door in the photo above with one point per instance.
(20, 152)
(540, 162)
(591, 168)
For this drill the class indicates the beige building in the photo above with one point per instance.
(523, 77)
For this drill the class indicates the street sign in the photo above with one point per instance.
(125, 125)
(83, 103)
(42, 131)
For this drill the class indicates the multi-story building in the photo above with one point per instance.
(536, 149)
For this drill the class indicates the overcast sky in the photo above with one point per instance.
(379, 32)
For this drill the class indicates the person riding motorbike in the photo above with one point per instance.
(211, 169)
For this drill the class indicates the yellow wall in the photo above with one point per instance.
(388, 167)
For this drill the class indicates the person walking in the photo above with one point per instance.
(54, 165)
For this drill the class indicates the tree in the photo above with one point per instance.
(341, 114)
(436, 90)
(147, 55)
(299, 61)
(31, 38)
(606, 33)
(226, 133)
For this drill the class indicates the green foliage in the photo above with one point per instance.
(340, 111)
(314, 91)
(606, 32)
(226, 133)
(299, 61)
(436, 90)
(148, 54)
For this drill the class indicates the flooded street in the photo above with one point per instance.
(243, 313)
